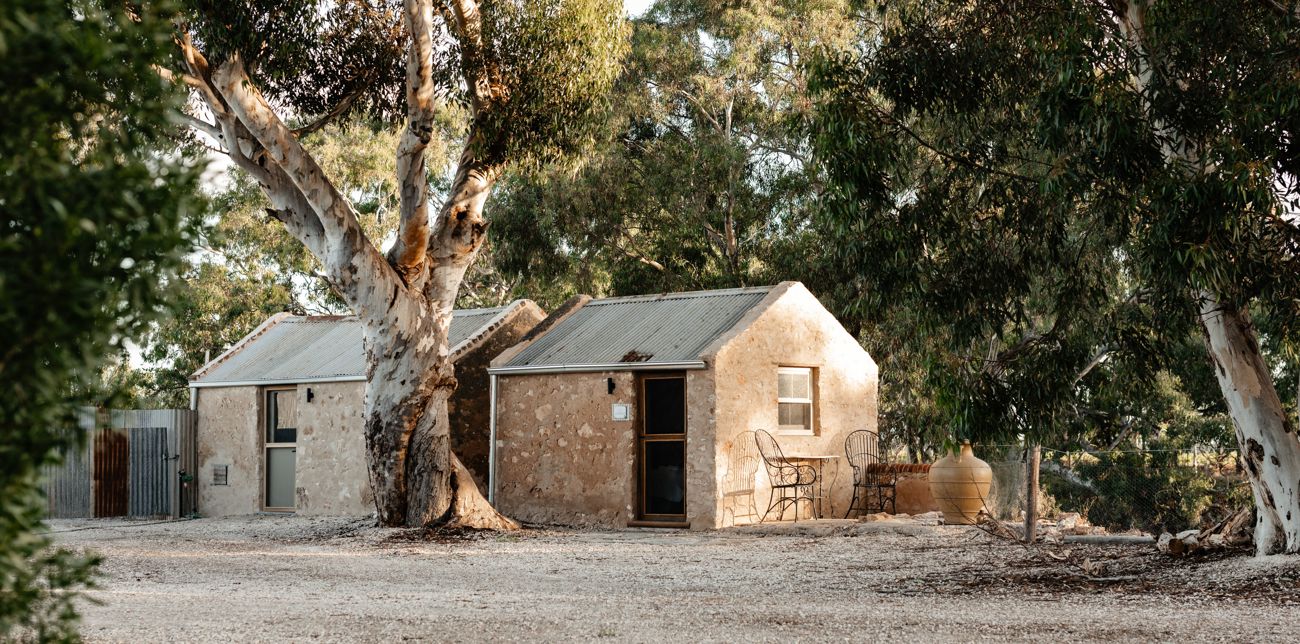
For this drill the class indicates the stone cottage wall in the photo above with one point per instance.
(560, 457)
(793, 330)
(330, 470)
(228, 435)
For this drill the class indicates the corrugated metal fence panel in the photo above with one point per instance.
(111, 484)
(150, 493)
(184, 445)
(130, 464)
(67, 485)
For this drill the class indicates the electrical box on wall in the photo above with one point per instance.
(620, 411)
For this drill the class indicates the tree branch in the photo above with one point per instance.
(407, 255)
(211, 129)
(338, 110)
(355, 268)
(482, 82)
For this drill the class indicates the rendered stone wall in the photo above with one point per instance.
(330, 467)
(227, 434)
(792, 330)
(331, 476)
(560, 457)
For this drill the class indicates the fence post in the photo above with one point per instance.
(1031, 492)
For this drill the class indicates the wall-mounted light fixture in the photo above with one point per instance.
(609, 383)
(310, 394)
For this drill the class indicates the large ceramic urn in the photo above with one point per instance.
(960, 485)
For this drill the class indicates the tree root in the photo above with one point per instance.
(469, 508)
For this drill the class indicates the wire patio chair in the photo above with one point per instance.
(875, 484)
(742, 465)
(791, 482)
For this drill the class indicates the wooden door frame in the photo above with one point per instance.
(659, 520)
(264, 432)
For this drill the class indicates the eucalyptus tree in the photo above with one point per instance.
(527, 75)
(93, 214)
(705, 175)
(1081, 185)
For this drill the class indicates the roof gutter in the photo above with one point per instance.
(611, 366)
(283, 381)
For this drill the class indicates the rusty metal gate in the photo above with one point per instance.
(131, 463)
(110, 473)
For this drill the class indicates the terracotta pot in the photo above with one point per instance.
(960, 484)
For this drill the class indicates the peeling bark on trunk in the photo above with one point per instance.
(405, 300)
(1270, 449)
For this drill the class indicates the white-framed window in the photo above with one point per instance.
(794, 399)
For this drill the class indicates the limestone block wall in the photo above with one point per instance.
(701, 449)
(330, 469)
(227, 435)
(560, 457)
(793, 329)
(331, 476)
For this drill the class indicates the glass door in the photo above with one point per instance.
(281, 448)
(662, 449)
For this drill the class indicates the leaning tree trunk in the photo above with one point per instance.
(1270, 449)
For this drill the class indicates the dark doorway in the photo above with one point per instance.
(662, 448)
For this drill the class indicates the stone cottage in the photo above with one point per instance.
(632, 411)
(280, 412)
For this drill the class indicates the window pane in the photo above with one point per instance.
(794, 385)
(665, 477)
(795, 415)
(785, 385)
(281, 416)
(665, 406)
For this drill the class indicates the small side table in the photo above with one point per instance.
(818, 462)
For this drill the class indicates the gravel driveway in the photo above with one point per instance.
(326, 579)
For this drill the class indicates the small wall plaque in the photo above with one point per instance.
(620, 411)
(221, 475)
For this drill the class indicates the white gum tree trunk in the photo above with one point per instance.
(405, 299)
(1267, 440)
(1270, 449)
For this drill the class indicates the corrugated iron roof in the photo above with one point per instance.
(303, 348)
(642, 329)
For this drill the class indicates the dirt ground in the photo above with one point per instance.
(325, 579)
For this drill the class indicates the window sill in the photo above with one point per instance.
(795, 432)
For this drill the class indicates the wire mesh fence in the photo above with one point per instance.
(1150, 490)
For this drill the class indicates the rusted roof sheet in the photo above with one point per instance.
(304, 348)
(642, 329)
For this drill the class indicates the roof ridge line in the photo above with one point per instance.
(684, 294)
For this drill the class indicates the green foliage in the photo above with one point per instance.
(557, 60)
(702, 177)
(1003, 186)
(91, 217)
(311, 55)
(552, 62)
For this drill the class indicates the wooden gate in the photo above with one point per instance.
(111, 473)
